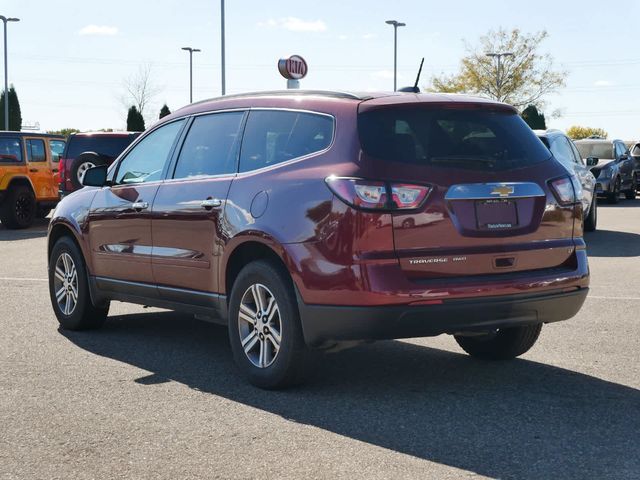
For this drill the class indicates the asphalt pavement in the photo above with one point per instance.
(155, 394)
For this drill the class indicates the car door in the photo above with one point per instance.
(39, 168)
(188, 212)
(119, 219)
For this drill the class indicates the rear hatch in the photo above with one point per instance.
(497, 202)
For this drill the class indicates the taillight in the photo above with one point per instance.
(563, 190)
(377, 195)
(61, 172)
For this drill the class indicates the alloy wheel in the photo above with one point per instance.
(260, 325)
(66, 284)
(24, 208)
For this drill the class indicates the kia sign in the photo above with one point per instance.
(292, 68)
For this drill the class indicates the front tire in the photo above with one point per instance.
(591, 222)
(505, 344)
(264, 327)
(69, 289)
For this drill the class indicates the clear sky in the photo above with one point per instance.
(68, 58)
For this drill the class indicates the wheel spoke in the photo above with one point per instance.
(67, 303)
(60, 294)
(273, 313)
(270, 306)
(250, 341)
(257, 297)
(246, 318)
(246, 310)
(265, 354)
(59, 274)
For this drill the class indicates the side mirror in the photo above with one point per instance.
(95, 177)
(624, 157)
(592, 161)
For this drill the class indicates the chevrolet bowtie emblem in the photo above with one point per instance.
(502, 190)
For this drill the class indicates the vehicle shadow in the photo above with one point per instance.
(512, 420)
(611, 243)
(37, 230)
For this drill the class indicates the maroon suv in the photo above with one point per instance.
(306, 219)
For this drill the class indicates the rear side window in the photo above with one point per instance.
(103, 145)
(211, 146)
(10, 150)
(56, 147)
(562, 151)
(275, 136)
(461, 138)
(35, 150)
(593, 149)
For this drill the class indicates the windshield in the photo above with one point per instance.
(598, 150)
(460, 138)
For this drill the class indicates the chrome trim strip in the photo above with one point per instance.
(485, 191)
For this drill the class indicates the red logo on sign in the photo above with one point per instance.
(292, 68)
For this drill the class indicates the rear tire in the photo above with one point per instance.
(614, 197)
(631, 193)
(19, 208)
(69, 289)
(591, 222)
(505, 344)
(260, 361)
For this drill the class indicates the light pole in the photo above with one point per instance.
(6, 75)
(222, 46)
(191, 50)
(395, 24)
(499, 71)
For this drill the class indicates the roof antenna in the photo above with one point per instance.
(415, 88)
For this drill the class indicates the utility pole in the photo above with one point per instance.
(499, 82)
(191, 50)
(224, 88)
(395, 24)
(6, 71)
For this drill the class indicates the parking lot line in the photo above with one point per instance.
(28, 279)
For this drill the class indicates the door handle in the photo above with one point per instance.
(138, 206)
(33, 170)
(210, 203)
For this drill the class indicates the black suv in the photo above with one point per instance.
(87, 150)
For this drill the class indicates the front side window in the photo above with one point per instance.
(56, 147)
(35, 150)
(455, 138)
(275, 136)
(211, 146)
(146, 161)
(10, 150)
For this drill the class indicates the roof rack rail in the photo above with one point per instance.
(290, 92)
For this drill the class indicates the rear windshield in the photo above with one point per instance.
(461, 138)
(109, 146)
(10, 150)
(598, 150)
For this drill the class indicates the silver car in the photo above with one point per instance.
(565, 151)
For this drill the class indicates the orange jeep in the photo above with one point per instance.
(28, 176)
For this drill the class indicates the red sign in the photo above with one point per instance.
(292, 68)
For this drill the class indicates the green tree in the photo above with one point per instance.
(15, 116)
(63, 131)
(534, 119)
(164, 111)
(135, 122)
(576, 132)
(521, 79)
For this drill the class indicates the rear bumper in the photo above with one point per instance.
(323, 324)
